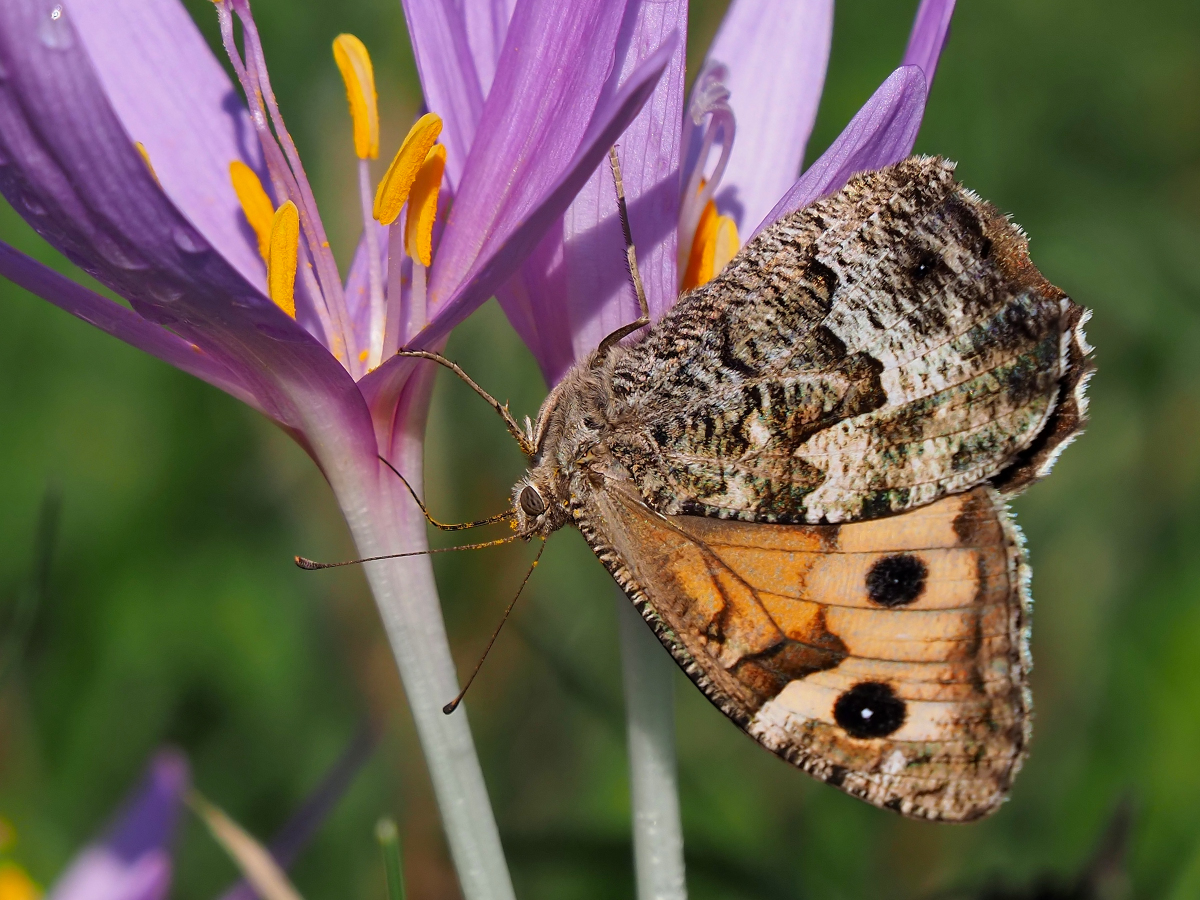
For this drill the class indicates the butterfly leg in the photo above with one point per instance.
(630, 260)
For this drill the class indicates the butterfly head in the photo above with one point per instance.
(537, 508)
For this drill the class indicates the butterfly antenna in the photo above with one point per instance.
(305, 563)
(490, 520)
(514, 428)
(453, 704)
(630, 261)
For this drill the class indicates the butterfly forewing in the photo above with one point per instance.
(886, 657)
(868, 354)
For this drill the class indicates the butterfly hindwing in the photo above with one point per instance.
(888, 657)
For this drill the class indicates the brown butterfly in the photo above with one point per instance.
(799, 474)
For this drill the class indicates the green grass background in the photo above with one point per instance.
(172, 613)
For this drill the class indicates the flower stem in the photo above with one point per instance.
(648, 674)
(384, 519)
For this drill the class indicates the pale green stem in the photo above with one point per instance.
(648, 673)
(383, 519)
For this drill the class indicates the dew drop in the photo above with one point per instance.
(165, 293)
(117, 255)
(54, 31)
(189, 241)
(32, 205)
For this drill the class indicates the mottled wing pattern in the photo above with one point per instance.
(868, 354)
(888, 658)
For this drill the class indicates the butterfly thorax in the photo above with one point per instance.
(584, 434)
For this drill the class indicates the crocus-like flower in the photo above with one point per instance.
(132, 860)
(124, 144)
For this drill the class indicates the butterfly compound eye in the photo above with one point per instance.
(531, 501)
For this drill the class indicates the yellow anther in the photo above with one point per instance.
(281, 257)
(15, 884)
(726, 244)
(362, 357)
(422, 206)
(704, 242)
(256, 205)
(714, 244)
(401, 174)
(355, 65)
(141, 148)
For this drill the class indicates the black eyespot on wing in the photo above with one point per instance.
(927, 262)
(531, 501)
(896, 580)
(870, 709)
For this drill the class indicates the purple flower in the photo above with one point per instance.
(125, 145)
(739, 143)
(132, 860)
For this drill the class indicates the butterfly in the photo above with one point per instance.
(799, 476)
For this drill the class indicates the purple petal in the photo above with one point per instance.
(776, 52)
(449, 80)
(133, 861)
(171, 94)
(929, 32)
(542, 200)
(881, 133)
(545, 93)
(73, 173)
(575, 289)
(118, 321)
(487, 23)
(148, 818)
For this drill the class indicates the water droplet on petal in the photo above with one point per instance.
(190, 241)
(32, 205)
(54, 31)
(117, 255)
(165, 293)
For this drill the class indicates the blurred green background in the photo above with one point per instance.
(172, 612)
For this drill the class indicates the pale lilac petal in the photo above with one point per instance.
(512, 243)
(118, 321)
(541, 104)
(73, 173)
(449, 80)
(171, 94)
(487, 24)
(776, 52)
(575, 288)
(929, 32)
(881, 133)
(357, 290)
(132, 861)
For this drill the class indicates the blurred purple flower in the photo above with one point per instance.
(132, 860)
(761, 83)
(117, 130)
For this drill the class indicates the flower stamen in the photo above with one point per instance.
(406, 165)
(354, 63)
(256, 205)
(281, 257)
(715, 243)
(422, 206)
